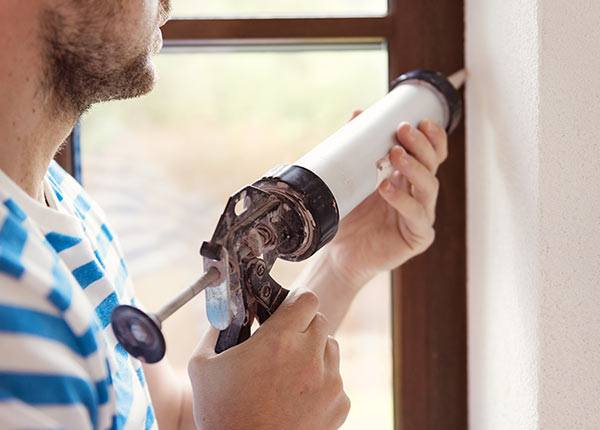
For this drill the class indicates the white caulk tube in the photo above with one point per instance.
(346, 168)
(350, 161)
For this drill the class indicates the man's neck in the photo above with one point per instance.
(30, 129)
(29, 139)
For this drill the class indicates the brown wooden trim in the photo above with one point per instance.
(429, 292)
(277, 30)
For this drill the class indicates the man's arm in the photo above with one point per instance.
(335, 293)
(171, 395)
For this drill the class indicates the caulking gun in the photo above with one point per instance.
(291, 213)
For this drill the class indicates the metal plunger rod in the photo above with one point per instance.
(208, 279)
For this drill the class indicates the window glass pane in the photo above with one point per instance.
(163, 166)
(278, 7)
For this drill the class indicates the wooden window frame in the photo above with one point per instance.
(428, 293)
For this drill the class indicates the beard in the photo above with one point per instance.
(85, 63)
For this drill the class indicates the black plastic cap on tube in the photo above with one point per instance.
(318, 199)
(445, 88)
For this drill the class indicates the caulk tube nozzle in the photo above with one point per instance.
(458, 79)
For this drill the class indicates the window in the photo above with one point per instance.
(427, 334)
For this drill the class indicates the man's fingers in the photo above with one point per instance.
(206, 347)
(318, 330)
(413, 213)
(425, 184)
(332, 354)
(438, 138)
(296, 312)
(417, 143)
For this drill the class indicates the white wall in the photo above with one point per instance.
(534, 213)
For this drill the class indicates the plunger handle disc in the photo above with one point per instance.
(138, 333)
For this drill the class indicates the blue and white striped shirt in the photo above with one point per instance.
(61, 274)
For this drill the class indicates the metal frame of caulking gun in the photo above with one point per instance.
(288, 214)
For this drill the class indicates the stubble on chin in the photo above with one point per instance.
(83, 68)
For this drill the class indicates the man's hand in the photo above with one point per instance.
(396, 222)
(286, 376)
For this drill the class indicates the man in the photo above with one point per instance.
(62, 271)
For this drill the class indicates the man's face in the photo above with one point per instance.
(95, 51)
